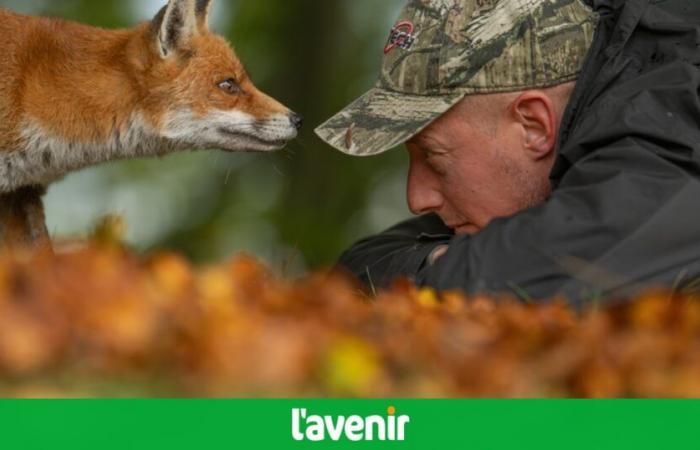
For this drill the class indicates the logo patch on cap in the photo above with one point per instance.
(401, 36)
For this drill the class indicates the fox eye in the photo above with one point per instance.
(230, 86)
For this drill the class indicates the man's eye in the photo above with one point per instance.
(230, 86)
(434, 164)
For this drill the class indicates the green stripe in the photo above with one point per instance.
(479, 425)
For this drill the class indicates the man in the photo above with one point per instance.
(554, 146)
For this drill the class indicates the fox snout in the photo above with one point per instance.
(277, 131)
(233, 130)
(247, 133)
(297, 120)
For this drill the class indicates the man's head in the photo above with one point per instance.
(489, 156)
(479, 87)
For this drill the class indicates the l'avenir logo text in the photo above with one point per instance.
(317, 428)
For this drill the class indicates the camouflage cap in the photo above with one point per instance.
(439, 51)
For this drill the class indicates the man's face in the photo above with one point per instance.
(471, 167)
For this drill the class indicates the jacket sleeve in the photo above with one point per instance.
(398, 252)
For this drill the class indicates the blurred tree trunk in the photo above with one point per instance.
(312, 36)
(311, 208)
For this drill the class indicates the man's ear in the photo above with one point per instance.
(203, 8)
(535, 112)
(174, 27)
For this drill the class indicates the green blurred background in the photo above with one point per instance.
(297, 209)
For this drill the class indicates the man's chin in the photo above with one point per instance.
(466, 230)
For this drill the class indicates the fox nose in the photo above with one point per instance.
(297, 120)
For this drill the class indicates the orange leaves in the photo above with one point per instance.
(113, 324)
(25, 344)
(352, 367)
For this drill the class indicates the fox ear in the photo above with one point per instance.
(175, 25)
(202, 10)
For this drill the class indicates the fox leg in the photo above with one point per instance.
(22, 220)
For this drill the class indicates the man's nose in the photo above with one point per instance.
(423, 194)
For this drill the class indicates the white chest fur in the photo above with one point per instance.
(45, 157)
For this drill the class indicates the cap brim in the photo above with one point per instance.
(381, 120)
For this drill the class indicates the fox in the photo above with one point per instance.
(73, 96)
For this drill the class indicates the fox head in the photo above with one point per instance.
(201, 92)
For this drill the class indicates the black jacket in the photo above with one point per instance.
(625, 211)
